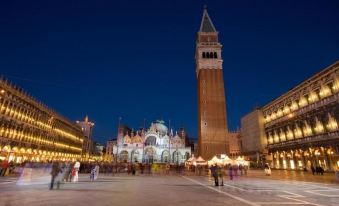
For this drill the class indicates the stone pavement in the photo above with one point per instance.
(168, 190)
(295, 175)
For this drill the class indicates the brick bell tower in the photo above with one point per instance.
(212, 121)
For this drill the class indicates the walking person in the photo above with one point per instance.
(133, 169)
(230, 172)
(141, 166)
(267, 170)
(54, 173)
(4, 167)
(168, 167)
(96, 168)
(65, 172)
(221, 175)
(75, 171)
(214, 172)
(312, 169)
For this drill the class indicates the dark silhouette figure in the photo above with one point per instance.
(214, 172)
(54, 173)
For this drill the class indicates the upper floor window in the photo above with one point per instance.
(209, 55)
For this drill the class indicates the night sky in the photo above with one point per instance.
(135, 59)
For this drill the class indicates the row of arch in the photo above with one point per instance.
(16, 132)
(150, 156)
(209, 55)
(17, 108)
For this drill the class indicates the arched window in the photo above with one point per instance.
(151, 140)
(211, 55)
(215, 55)
(207, 55)
(203, 55)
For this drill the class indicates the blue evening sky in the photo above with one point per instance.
(135, 59)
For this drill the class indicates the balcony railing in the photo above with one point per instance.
(305, 109)
(306, 140)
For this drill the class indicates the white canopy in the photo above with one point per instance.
(192, 159)
(215, 160)
(241, 160)
(200, 159)
(227, 160)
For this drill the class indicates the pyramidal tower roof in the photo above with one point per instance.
(206, 23)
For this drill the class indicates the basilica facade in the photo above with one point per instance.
(154, 145)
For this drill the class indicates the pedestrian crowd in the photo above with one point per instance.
(317, 170)
(218, 172)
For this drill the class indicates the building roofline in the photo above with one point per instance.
(301, 84)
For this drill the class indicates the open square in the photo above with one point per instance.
(143, 190)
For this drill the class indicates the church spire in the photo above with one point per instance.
(206, 22)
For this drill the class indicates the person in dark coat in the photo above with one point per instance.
(54, 173)
(214, 172)
(312, 169)
(221, 175)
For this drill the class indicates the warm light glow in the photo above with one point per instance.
(319, 128)
(325, 91)
(282, 135)
(286, 110)
(335, 86)
(279, 113)
(2, 91)
(297, 132)
(276, 137)
(268, 118)
(313, 97)
(317, 152)
(332, 123)
(289, 133)
(307, 129)
(273, 116)
(294, 106)
(302, 102)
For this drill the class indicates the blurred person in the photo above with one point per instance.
(141, 166)
(168, 167)
(92, 174)
(312, 169)
(241, 168)
(245, 169)
(129, 168)
(96, 171)
(221, 175)
(4, 167)
(66, 172)
(54, 173)
(267, 170)
(214, 173)
(75, 172)
(230, 171)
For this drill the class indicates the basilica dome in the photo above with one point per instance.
(160, 127)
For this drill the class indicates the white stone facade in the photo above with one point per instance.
(156, 145)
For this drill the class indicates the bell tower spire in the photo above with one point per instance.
(212, 121)
(206, 22)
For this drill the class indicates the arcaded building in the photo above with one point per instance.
(299, 128)
(212, 121)
(154, 145)
(29, 130)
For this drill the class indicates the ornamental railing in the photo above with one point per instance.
(306, 140)
(305, 109)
